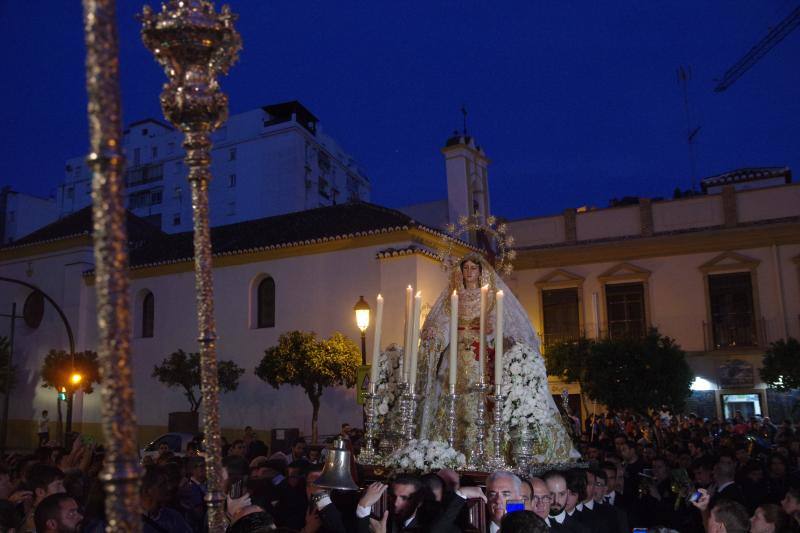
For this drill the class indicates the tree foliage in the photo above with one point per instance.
(630, 373)
(301, 360)
(781, 370)
(182, 369)
(59, 366)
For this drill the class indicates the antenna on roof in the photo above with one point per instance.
(464, 112)
(684, 75)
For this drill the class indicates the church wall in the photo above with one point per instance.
(59, 276)
(313, 292)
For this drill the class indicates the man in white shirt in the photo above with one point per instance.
(501, 486)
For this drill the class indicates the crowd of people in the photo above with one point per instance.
(661, 473)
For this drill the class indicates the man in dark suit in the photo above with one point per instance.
(587, 511)
(615, 517)
(559, 494)
(405, 514)
(725, 486)
(578, 501)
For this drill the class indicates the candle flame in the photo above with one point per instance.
(500, 292)
(380, 297)
(419, 294)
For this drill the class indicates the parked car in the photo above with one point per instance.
(176, 441)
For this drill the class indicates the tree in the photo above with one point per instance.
(182, 369)
(59, 366)
(57, 371)
(299, 359)
(781, 370)
(630, 373)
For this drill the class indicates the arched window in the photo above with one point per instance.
(265, 306)
(148, 314)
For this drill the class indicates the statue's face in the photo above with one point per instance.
(471, 272)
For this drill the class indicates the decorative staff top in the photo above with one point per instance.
(193, 44)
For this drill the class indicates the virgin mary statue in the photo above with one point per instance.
(525, 385)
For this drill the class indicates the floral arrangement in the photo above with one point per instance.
(425, 456)
(389, 367)
(523, 368)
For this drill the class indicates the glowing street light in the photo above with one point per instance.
(362, 321)
(75, 378)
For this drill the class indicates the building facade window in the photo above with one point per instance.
(232, 180)
(625, 310)
(732, 311)
(176, 219)
(560, 316)
(232, 154)
(148, 315)
(265, 303)
(137, 156)
(154, 152)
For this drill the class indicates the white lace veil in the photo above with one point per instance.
(435, 339)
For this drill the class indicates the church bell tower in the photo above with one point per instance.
(467, 178)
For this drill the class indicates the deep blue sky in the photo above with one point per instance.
(575, 102)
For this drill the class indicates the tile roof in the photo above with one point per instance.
(149, 246)
(747, 174)
(79, 224)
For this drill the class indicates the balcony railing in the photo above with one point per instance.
(551, 339)
(733, 331)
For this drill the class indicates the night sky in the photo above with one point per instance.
(574, 102)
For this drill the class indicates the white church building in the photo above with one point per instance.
(301, 270)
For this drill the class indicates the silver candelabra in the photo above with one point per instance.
(369, 456)
(477, 458)
(497, 461)
(452, 399)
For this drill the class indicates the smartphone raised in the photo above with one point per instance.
(513, 506)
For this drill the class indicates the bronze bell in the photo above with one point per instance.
(336, 472)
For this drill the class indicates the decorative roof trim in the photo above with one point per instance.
(390, 253)
(12, 246)
(295, 244)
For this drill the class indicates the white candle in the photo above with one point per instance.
(412, 376)
(453, 340)
(498, 339)
(376, 346)
(482, 335)
(407, 335)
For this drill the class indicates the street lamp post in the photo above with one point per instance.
(74, 383)
(362, 321)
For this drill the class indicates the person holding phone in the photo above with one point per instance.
(500, 488)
